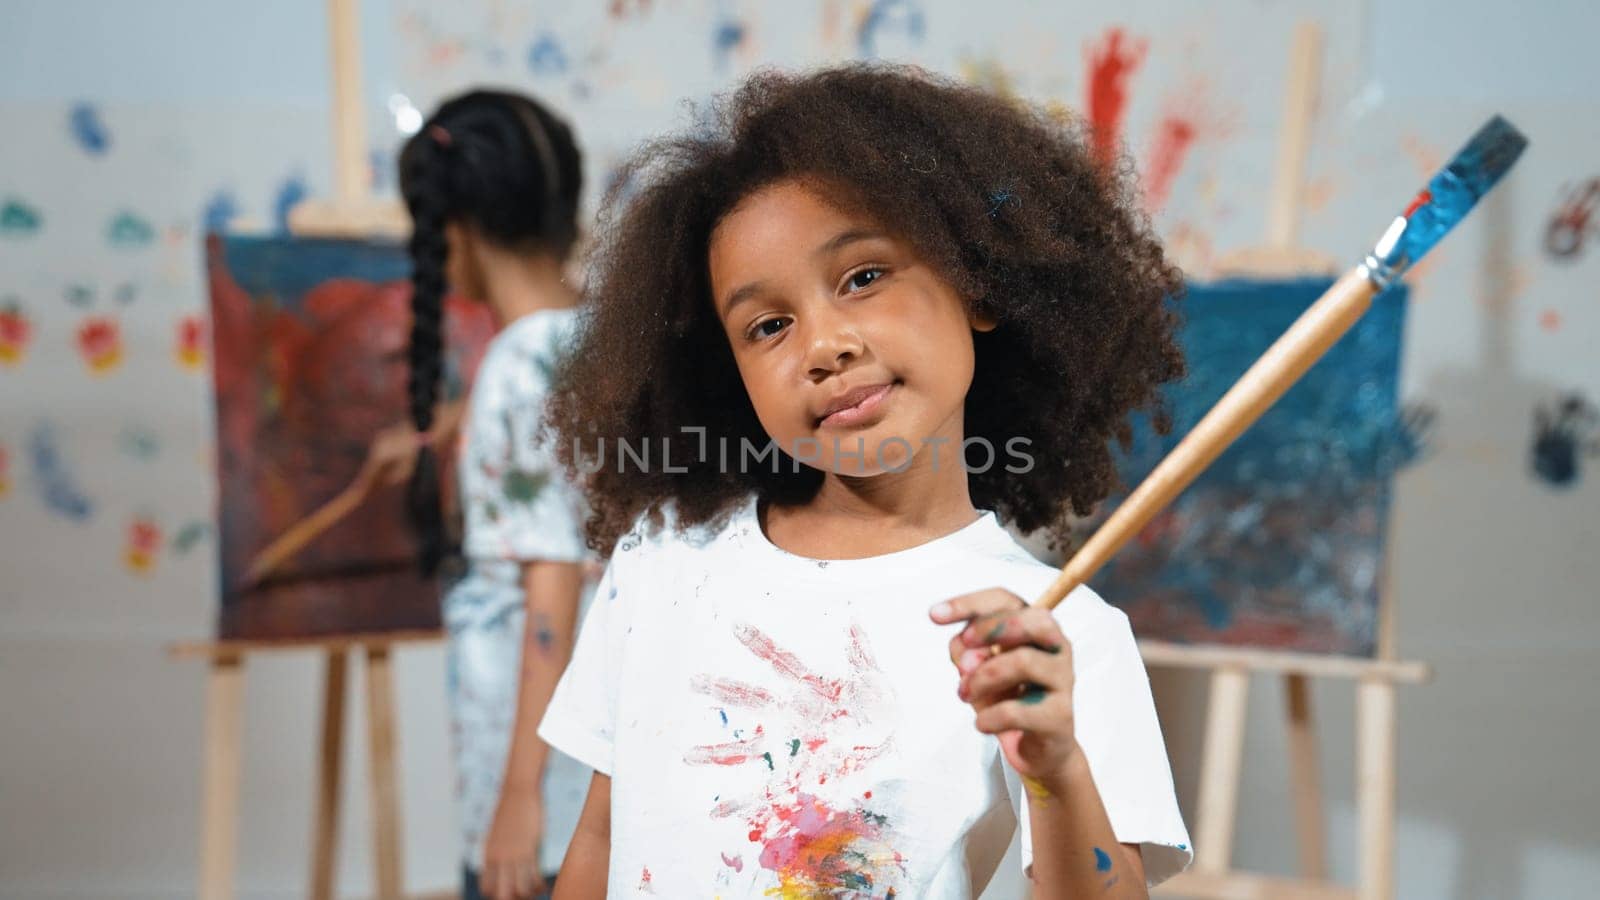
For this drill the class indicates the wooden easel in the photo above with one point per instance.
(223, 757)
(352, 213)
(1212, 875)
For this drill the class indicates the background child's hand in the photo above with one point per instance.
(511, 850)
(1023, 693)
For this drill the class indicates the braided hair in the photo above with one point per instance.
(510, 168)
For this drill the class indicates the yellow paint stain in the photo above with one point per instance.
(138, 562)
(102, 363)
(1036, 789)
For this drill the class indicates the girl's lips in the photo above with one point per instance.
(860, 412)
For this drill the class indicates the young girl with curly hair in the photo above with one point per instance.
(836, 336)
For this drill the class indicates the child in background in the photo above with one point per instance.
(492, 183)
(853, 324)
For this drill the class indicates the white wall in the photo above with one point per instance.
(1494, 573)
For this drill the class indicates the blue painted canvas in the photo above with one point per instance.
(1279, 544)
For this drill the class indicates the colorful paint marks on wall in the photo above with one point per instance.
(190, 535)
(88, 129)
(99, 342)
(54, 477)
(1112, 62)
(16, 332)
(189, 346)
(129, 230)
(546, 56)
(141, 545)
(886, 19)
(18, 219)
(1564, 432)
(1576, 218)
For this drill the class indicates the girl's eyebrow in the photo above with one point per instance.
(844, 239)
(745, 292)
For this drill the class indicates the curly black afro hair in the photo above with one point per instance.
(1004, 201)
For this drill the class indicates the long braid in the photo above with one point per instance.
(508, 168)
(428, 202)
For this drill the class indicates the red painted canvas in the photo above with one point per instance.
(309, 364)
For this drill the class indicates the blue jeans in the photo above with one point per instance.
(470, 891)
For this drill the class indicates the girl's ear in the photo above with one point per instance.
(980, 321)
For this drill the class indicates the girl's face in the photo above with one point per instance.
(856, 355)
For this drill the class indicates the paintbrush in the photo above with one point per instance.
(1445, 201)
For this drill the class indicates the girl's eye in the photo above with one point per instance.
(863, 278)
(768, 327)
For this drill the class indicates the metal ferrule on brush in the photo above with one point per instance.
(1386, 262)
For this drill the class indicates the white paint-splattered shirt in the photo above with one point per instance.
(780, 726)
(518, 508)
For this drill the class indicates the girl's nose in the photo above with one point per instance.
(833, 343)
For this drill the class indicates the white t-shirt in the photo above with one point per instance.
(780, 726)
(517, 503)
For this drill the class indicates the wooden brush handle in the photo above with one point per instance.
(309, 528)
(1317, 329)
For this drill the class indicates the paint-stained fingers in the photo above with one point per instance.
(1037, 709)
(1020, 628)
(966, 607)
(1015, 674)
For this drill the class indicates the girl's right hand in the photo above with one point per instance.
(393, 455)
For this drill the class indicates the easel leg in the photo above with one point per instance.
(385, 799)
(1375, 777)
(1219, 773)
(325, 828)
(219, 803)
(1304, 779)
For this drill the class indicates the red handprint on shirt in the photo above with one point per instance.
(814, 846)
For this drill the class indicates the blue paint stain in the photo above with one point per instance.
(724, 714)
(79, 295)
(290, 192)
(140, 443)
(1560, 433)
(542, 632)
(18, 219)
(726, 38)
(129, 230)
(1102, 861)
(190, 535)
(88, 129)
(904, 16)
(54, 478)
(220, 209)
(546, 57)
